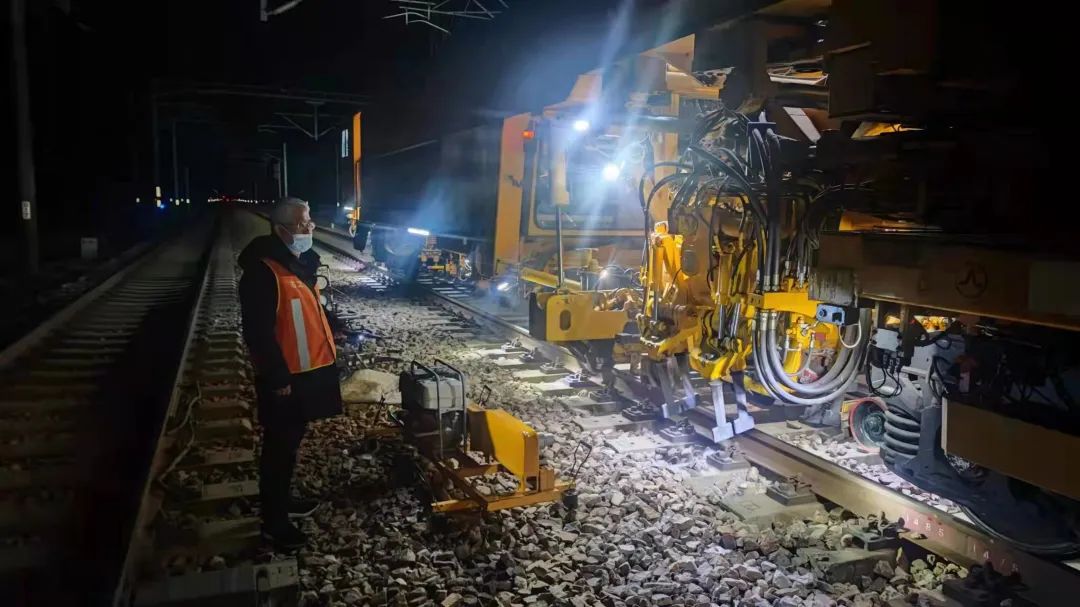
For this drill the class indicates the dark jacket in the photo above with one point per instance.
(315, 394)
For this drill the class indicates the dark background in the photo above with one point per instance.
(94, 67)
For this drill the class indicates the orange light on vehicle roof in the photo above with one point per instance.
(528, 134)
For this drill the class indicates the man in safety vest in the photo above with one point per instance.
(292, 348)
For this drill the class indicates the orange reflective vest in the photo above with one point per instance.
(301, 329)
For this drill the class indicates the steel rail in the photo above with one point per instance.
(939, 532)
(1049, 582)
(78, 388)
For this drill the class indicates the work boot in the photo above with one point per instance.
(284, 536)
(301, 508)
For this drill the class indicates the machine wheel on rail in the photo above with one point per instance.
(950, 391)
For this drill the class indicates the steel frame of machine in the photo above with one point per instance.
(506, 444)
(514, 447)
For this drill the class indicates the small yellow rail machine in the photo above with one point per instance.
(465, 441)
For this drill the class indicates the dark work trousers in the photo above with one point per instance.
(281, 440)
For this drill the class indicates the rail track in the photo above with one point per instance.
(80, 393)
(127, 445)
(196, 538)
(87, 512)
(929, 523)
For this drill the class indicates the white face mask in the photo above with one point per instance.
(300, 243)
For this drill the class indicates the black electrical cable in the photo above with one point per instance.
(709, 122)
(936, 338)
(646, 203)
(706, 324)
(875, 390)
(739, 179)
(740, 165)
(769, 216)
(736, 261)
(748, 192)
(894, 374)
(1035, 390)
(773, 178)
(688, 189)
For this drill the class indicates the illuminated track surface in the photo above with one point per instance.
(931, 522)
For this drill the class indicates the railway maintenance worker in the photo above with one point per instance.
(292, 349)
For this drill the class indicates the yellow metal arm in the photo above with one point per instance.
(546, 279)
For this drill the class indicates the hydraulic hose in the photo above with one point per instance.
(775, 204)
(768, 380)
(837, 374)
(738, 178)
(768, 377)
(761, 155)
(825, 383)
(757, 209)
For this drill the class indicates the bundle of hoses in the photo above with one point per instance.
(841, 375)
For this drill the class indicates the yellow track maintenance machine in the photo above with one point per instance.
(542, 202)
(619, 127)
(809, 207)
(854, 229)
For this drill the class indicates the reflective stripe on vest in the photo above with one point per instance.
(300, 327)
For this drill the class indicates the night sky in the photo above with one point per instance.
(94, 66)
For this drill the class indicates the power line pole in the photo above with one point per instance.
(285, 167)
(187, 185)
(24, 134)
(278, 175)
(175, 165)
(157, 145)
